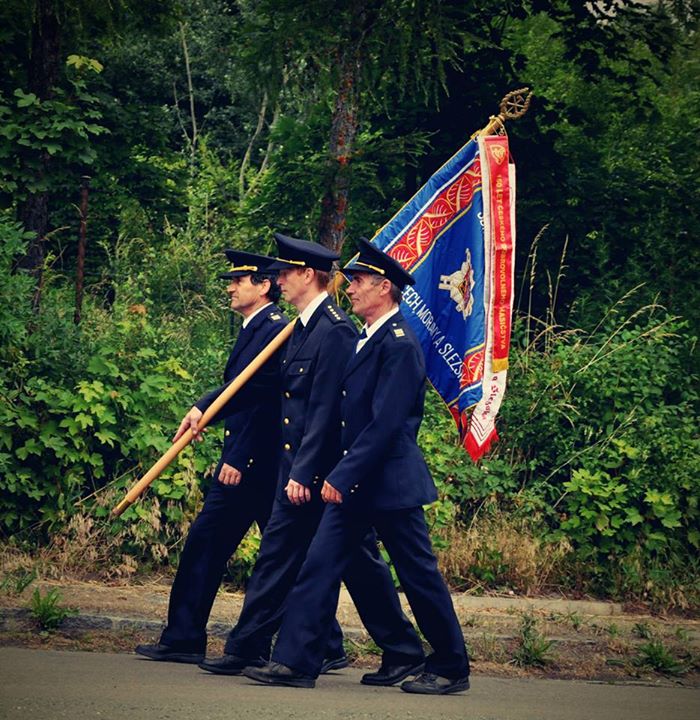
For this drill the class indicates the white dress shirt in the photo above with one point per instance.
(371, 329)
(310, 309)
(247, 320)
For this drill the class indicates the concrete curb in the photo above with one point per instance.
(516, 604)
(17, 619)
(465, 606)
(477, 603)
(21, 620)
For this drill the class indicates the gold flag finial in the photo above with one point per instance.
(513, 106)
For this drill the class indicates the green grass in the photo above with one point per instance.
(46, 610)
(654, 655)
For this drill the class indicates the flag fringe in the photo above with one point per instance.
(476, 451)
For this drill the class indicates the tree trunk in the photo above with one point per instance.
(42, 72)
(82, 242)
(344, 126)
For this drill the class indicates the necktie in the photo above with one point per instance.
(361, 340)
(295, 337)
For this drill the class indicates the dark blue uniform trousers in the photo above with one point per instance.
(285, 543)
(227, 514)
(405, 535)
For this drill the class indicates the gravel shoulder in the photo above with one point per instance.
(507, 636)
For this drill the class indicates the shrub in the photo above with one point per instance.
(598, 449)
(87, 409)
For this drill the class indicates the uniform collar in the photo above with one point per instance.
(379, 322)
(247, 320)
(311, 308)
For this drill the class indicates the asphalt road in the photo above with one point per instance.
(46, 685)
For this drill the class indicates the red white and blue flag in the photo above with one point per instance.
(456, 236)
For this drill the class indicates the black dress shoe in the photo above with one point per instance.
(276, 674)
(334, 664)
(230, 664)
(431, 684)
(391, 674)
(165, 653)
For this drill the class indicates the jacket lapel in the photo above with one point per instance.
(244, 339)
(305, 334)
(368, 349)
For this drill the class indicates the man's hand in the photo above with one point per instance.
(297, 493)
(330, 494)
(189, 422)
(229, 475)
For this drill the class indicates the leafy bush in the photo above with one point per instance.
(86, 409)
(599, 449)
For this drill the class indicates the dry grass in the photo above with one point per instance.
(501, 551)
(92, 546)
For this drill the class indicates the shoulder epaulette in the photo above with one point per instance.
(274, 315)
(398, 332)
(334, 313)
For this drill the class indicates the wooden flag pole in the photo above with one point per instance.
(231, 389)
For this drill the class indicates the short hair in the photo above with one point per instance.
(395, 292)
(322, 278)
(274, 293)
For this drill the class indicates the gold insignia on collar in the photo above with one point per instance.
(399, 332)
(275, 316)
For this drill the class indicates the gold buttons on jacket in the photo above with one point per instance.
(286, 421)
(344, 393)
(342, 423)
(287, 395)
(345, 452)
(301, 370)
(287, 446)
(227, 433)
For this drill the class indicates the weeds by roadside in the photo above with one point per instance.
(47, 611)
(17, 581)
(656, 656)
(533, 647)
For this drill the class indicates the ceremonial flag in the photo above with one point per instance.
(456, 237)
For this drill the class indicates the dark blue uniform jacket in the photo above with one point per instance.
(383, 390)
(311, 375)
(251, 435)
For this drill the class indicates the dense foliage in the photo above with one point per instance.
(207, 123)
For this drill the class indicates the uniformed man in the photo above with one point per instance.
(381, 481)
(244, 481)
(311, 375)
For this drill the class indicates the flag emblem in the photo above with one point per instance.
(498, 153)
(460, 285)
